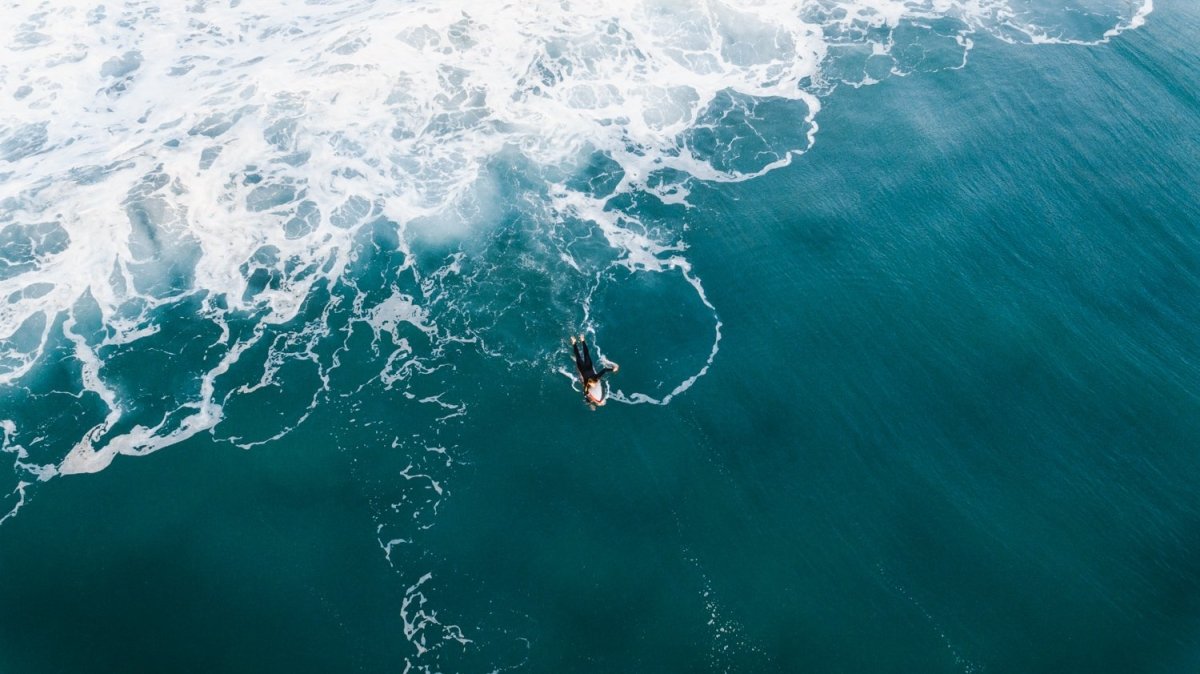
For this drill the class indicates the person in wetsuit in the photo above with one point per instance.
(593, 393)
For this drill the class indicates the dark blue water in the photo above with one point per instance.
(952, 426)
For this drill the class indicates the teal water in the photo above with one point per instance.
(952, 425)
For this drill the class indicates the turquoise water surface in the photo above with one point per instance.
(925, 398)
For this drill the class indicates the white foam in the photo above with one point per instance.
(236, 152)
(422, 627)
(20, 492)
(399, 308)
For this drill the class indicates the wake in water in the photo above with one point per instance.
(202, 205)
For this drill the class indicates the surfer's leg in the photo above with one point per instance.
(579, 359)
(587, 357)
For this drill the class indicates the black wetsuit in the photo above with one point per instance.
(583, 361)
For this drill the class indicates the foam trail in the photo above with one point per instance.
(20, 492)
(234, 153)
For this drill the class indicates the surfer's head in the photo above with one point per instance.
(594, 392)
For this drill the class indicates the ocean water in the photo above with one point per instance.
(905, 293)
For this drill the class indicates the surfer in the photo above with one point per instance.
(593, 391)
